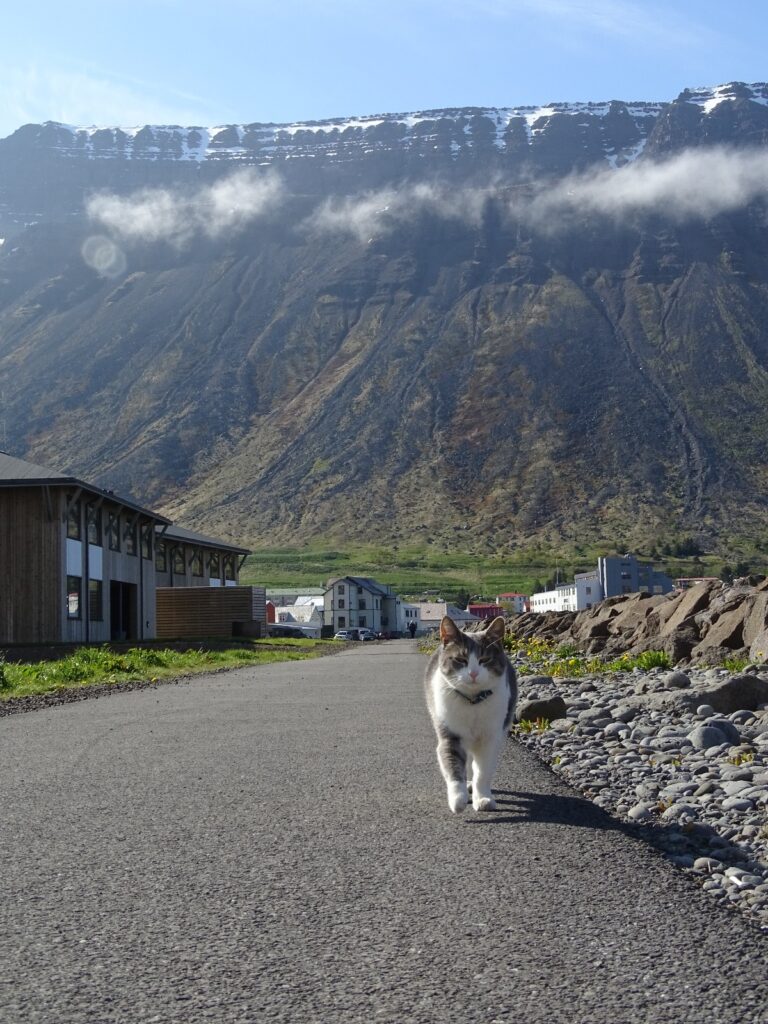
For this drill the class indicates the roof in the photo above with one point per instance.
(363, 581)
(19, 473)
(178, 533)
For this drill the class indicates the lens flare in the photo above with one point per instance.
(103, 256)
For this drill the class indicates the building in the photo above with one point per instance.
(613, 576)
(628, 576)
(354, 601)
(81, 564)
(77, 561)
(561, 599)
(485, 611)
(187, 559)
(515, 603)
(432, 613)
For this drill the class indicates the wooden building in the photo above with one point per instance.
(187, 559)
(76, 562)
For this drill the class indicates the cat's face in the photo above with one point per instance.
(472, 661)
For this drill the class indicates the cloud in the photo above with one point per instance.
(375, 213)
(694, 184)
(154, 215)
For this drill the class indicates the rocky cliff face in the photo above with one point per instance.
(426, 323)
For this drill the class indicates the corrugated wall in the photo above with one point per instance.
(200, 612)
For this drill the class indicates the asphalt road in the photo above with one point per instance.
(274, 844)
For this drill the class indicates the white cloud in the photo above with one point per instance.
(153, 215)
(694, 184)
(377, 212)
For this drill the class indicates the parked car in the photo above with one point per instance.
(276, 629)
(344, 634)
(366, 634)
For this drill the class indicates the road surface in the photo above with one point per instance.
(274, 845)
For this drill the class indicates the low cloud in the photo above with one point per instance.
(375, 213)
(696, 184)
(155, 215)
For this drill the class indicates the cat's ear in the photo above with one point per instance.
(449, 631)
(495, 632)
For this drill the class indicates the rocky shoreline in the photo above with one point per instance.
(682, 757)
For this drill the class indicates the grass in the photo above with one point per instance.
(414, 570)
(90, 666)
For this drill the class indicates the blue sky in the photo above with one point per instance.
(221, 61)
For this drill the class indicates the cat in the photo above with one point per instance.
(471, 691)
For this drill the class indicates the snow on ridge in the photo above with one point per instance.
(708, 98)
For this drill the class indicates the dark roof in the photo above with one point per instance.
(18, 473)
(366, 582)
(174, 532)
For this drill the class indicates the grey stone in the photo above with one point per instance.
(705, 737)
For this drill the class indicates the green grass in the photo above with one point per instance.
(414, 571)
(89, 666)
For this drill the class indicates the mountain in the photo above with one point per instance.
(532, 324)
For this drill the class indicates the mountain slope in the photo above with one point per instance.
(417, 369)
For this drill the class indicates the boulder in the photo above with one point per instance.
(549, 710)
(743, 692)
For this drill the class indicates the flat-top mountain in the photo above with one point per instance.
(532, 324)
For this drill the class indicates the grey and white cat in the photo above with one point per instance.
(471, 690)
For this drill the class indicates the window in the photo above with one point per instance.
(95, 606)
(161, 556)
(214, 565)
(362, 621)
(93, 517)
(73, 521)
(361, 603)
(179, 565)
(146, 540)
(340, 589)
(229, 567)
(340, 602)
(359, 590)
(588, 590)
(113, 530)
(129, 536)
(74, 584)
(197, 562)
(342, 621)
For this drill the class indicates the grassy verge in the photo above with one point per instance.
(98, 666)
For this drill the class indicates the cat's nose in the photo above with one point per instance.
(473, 674)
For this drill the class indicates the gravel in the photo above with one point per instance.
(693, 782)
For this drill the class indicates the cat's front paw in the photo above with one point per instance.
(457, 800)
(484, 803)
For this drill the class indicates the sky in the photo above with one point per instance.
(215, 62)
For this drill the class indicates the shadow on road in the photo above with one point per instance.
(515, 807)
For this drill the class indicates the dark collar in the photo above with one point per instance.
(478, 697)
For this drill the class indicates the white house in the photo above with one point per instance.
(354, 601)
(432, 613)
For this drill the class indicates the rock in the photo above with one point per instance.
(727, 728)
(549, 710)
(677, 681)
(703, 737)
(735, 694)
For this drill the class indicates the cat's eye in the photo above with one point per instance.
(459, 662)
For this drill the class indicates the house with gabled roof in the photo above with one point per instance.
(76, 561)
(357, 601)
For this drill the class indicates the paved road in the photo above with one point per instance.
(273, 844)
